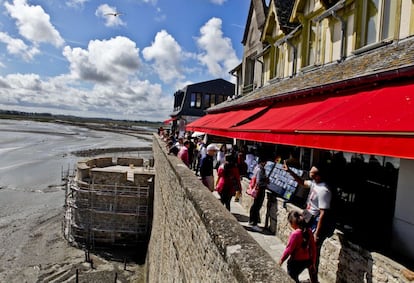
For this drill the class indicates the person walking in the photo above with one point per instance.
(262, 181)
(221, 155)
(206, 167)
(228, 181)
(192, 152)
(201, 153)
(183, 153)
(317, 206)
(301, 248)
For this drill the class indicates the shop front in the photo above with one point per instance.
(365, 139)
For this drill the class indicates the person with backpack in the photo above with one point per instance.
(301, 248)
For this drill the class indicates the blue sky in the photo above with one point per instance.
(73, 57)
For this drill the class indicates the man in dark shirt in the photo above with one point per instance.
(172, 148)
(206, 167)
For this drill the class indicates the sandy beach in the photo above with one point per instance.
(32, 246)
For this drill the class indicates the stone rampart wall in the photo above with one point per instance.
(106, 207)
(111, 178)
(194, 238)
(100, 162)
(126, 161)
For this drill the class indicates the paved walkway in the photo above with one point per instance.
(269, 242)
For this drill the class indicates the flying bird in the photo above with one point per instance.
(115, 14)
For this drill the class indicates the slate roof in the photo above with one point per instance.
(329, 3)
(284, 10)
(397, 57)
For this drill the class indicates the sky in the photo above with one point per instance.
(120, 59)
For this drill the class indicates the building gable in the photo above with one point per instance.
(257, 12)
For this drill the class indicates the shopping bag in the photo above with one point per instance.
(253, 189)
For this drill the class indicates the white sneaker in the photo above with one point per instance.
(256, 228)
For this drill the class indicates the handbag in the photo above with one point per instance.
(253, 189)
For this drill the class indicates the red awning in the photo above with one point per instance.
(169, 120)
(218, 124)
(379, 122)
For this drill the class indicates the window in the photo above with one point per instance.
(212, 100)
(220, 98)
(280, 62)
(249, 72)
(178, 99)
(206, 100)
(195, 100)
(313, 42)
(378, 23)
(267, 75)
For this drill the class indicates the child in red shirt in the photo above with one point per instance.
(301, 248)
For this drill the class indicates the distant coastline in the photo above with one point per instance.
(140, 129)
(74, 120)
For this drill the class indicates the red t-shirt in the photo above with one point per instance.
(229, 183)
(183, 155)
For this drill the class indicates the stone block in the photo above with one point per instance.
(127, 161)
(103, 162)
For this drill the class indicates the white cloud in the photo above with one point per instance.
(153, 2)
(81, 92)
(112, 60)
(167, 56)
(61, 95)
(33, 23)
(218, 53)
(109, 14)
(136, 98)
(160, 16)
(17, 46)
(218, 2)
(76, 3)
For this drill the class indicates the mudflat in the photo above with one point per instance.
(32, 245)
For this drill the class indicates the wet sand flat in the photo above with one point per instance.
(32, 247)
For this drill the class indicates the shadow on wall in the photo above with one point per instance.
(351, 268)
(136, 254)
